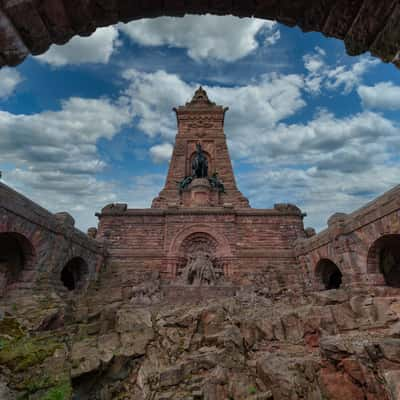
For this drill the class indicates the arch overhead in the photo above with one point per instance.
(30, 27)
(328, 274)
(384, 258)
(16, 255)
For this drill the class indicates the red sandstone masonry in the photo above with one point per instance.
(30, 27)
(53, 238)
(252, 246)
(251, 241)
(200, 121)
(348, 239)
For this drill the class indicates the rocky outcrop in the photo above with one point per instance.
(334, 345)
(30, 27)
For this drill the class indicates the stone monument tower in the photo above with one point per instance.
(200, 122)
(200, 233)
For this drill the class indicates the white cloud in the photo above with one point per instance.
(339, 77)
(97, 48)
(205, 37)
(141, 190)
(9, 80)
(318, 193)
(326, 141)
(272, 39)
(253, 107)
(326, 165)
(383, 95)
(151, 96)
(55, 155)
(161, 153)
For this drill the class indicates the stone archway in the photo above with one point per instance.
(16, 255)
(28, 27)
(384, 257)
(74, 274)
(328, 275)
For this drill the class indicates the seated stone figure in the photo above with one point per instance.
(199, 270)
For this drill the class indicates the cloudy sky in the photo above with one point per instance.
(91, 122)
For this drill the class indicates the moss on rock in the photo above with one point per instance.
(22, 353)
(10, 328)
(60, 392)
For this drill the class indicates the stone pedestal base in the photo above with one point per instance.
(200, 193)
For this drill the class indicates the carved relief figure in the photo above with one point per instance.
(148, 292)
(199, 270)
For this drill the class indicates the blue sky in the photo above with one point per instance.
(91, 122)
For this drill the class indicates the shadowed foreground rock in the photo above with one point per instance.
(335, 345)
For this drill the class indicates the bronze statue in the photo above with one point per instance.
(185, 183)
(216, 183)
(200, 170)
(199, 163)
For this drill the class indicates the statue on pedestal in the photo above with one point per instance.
(199, 163)
(200, 171)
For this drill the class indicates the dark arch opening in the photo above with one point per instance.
(74, 273)
(384, 256)
(329, 274)
(16, 254)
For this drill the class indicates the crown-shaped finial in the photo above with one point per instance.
(200, 98)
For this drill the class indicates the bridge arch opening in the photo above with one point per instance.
(16, 255)
(74, 273)
(360, 25)
(384, 258)
(328, 274)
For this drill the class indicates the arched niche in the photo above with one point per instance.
(328, 274)
(209, 161)
(223, 249)
(199, 238)
(16, 255)
(384, 258)
(74, 274)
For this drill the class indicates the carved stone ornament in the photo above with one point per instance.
(199, 270)
(200, 266)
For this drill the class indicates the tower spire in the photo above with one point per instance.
(200, 98)
(200, 122)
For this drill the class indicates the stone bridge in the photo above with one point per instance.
(40, 252)
(31, 26)
(358, 249)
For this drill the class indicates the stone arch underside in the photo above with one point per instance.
(328, 274)
(74, 273)
(30, 27)
(384, 258)
(16, 255)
